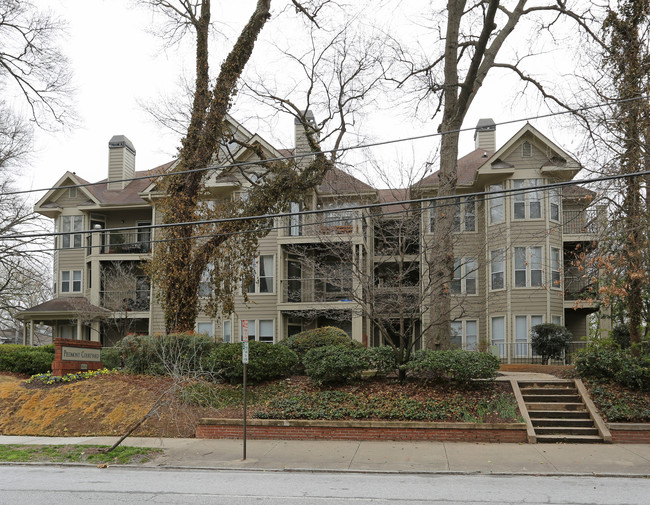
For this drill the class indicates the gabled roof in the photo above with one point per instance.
(394, 195)
(74, 180)
(336, 181)
(62, 307)
(468, 165)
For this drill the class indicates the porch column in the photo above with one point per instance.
(24, 332)
(79, 328)
(31, 332)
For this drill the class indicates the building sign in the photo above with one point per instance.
(80, 354)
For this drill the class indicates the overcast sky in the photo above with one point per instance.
(117, 64)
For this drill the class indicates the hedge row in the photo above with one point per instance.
(609, 363)
(26, 359)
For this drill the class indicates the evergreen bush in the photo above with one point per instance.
(455, 365)
(549, 340)
(305, 341)
(335, 363)
(26, 359)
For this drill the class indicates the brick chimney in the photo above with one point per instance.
(301, 144)
(485, 136)
(121, 162)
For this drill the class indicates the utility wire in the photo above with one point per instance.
(327, 151)
(488, 194)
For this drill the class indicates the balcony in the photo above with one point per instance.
(121, 242)
(330, 224)
(581, 222)
(136, 300)
(316, 290)
(579, 288)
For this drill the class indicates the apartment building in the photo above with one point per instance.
(350, 255)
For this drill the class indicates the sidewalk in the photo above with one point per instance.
(408, 457)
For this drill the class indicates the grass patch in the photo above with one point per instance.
(76, 454)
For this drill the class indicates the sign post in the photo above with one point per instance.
(244, 359)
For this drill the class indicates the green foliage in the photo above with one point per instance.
(621, 335)
(266, 362)
(26, 359)
(549, 340)
(382, 359)
(303, 342)
(332, 405)
(165, 354)
(335, 363)
(455, 365)
(608, 362)
(111, 357)
(69, 453)
(619, 405)
(48, 379)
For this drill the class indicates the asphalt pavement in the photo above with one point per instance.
(632, 460)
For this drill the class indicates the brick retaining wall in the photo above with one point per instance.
(630, 433)
(264, 429)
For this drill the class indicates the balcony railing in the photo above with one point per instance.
(578, 287)
(130, 242)
(126, 300)
(522, 352)
(315, 225)
(309, 290)
(580, 222)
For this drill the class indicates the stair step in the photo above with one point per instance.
(569, 439)
(555, 406)
(546, 384)
(562, 423)
(549, 391)
(554, 430)
(561, 414)
(552, 398)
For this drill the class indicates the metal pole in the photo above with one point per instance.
(244, 393)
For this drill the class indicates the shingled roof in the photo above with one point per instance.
(468, 165)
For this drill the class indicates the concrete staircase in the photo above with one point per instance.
(558, 413)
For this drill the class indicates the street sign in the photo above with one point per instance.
(244, 353)
(244, 330)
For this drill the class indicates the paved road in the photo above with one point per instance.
(47, 485)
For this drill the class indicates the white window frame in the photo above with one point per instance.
(210, 332)
(526, 149)
(226, 336)
(71, 281)
(72, 238)
(556, 268)
(529, 199)
(463, 333)
(464, 209)
(72, 192)
(522, 346)
(467, 268)
(528, 266)
(555, 319)
(255, 287)
(500, 342)
(496, 201)
(555, 204)
(495, 260)
(255, 330)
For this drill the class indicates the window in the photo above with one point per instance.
(464, 335)
(205, 285)
(432, 216)
(528, 267)
(523, 327)
(205, 329)
(263, 282)
(526, 150)
(71, 225)
(464, 218)
(556, 320)
(227, 331)
(499, 335)
(556, 268)
(71, 281)
(555, 201)
(496, 203)
(264, 328)
(72, 192)
(497, 269)
(294, 219)
(251, 329)
(464, 279)
(527, 204)
(144, 235)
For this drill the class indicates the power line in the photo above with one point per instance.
(327, 151)
(487, 194)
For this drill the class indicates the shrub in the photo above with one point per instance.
(165, 354)
(455, 365)
(382, 359)
(335, 363)
(549, 340)
(609, 363)
(111, 357)
(26, 359)
(305, 341)
(621, 335)
(265, 362)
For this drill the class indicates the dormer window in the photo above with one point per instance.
(526, 150)
(72, 192)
